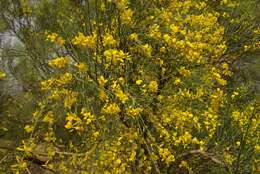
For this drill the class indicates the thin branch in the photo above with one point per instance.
(207, 156)
(3, 158)
(7, 148)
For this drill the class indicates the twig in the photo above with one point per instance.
(207, 156)
(7, 148)
(3, 159)
(28, 171)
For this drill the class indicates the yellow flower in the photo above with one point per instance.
(72, 120)
(238, 143)
(54, 37)
(154, 31)
(47, 84)
(219, 79)
(257, 148)
(59, 62)
(121, 95)
(87, 116)
(222, 82)
(71, 117)
(27, 147)
(133, 37)
(167, 38)
(166, 155)
(29, 128)
(49, 118)
(55, 94)
(86, 41)
(235, 93)
(101, 81)
(81, 66)
(138, 82)
(51, 37)
(49, 137)
(64, 79)
(133, 112)
(184, 72)
(153, 86)
(183, 164)
(103, 96)
(163, 50)
(112, 108)
(126, 16)
(147, 50)
(2, 75)
(108, 40)
(68, 125)
(60, 41)
(118, 162)
(174, 29)
(116, 56)
(70, 99)
(96, 134)
(121, 4)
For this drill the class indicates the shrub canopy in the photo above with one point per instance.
(133, 86)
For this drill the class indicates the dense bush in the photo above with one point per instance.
(135, 86)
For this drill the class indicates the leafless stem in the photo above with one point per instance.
(207, 156)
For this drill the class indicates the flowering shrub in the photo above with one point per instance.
(144, 87)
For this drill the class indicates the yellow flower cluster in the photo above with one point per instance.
(253, 46)
(133, 37)
(70, 98)
(112, 109)
(154, 31)
(229, 3)
(49, 118)
(194, 36)
(59, 62)
(115, 56)
(72, 121)
(123, 97)
(85, 41)
(56, 82)
(153, 86)
(27, 147)
(75, 122)
(146, 50)
(133, 112)
(108, 40)
(54, 37)
(103, 96)
(166, 155)
(242, 119)
(184, 72)
(82, 67)
(126, 16)
(101, 81)
(216, 76)
(126, 13)
(87, 116)
(139, 82)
